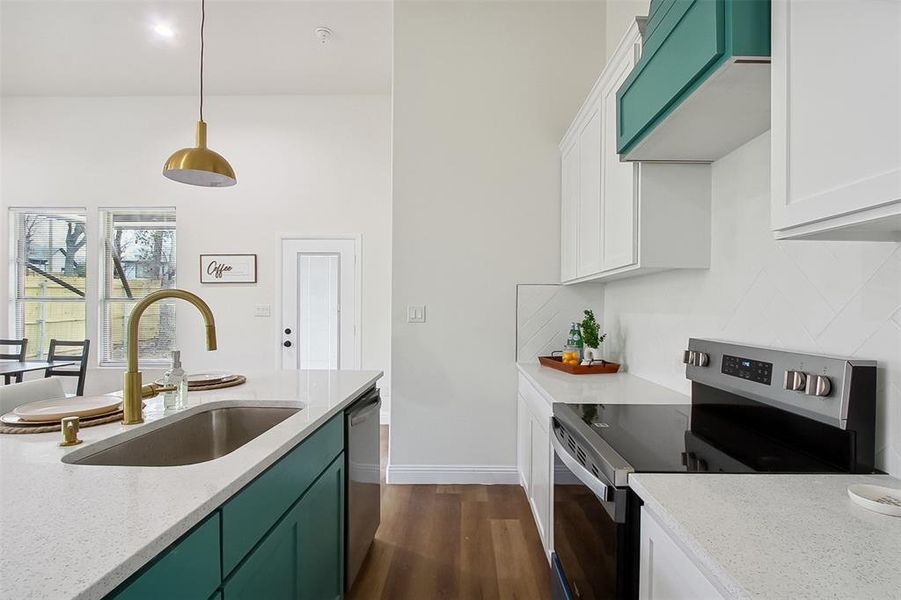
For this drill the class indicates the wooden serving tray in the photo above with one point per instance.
(596, 368)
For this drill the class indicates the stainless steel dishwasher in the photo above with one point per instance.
(363, 479)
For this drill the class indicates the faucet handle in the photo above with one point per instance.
(152, 390)
(70, 427)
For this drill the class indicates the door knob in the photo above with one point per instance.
(287, 344)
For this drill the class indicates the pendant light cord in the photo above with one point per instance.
(202, 23)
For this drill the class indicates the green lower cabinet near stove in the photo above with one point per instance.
(686, 42)
(303, 555)
(295, 554)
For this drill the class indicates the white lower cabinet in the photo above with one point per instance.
(533, 456)
(620, 219)
(540, 493)
(666, 572)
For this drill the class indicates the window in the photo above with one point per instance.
(48, 276)
(139, 258)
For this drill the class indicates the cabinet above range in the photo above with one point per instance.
(620, 219)
(702, 86)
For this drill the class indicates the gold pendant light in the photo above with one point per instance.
(200, 165)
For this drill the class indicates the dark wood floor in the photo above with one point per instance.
(455, 542)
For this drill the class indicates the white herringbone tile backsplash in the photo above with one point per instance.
(839, 298)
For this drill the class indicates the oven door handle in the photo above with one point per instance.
(597, 487)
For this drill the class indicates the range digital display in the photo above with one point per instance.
(745, 368)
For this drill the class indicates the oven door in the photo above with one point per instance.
(590, 555)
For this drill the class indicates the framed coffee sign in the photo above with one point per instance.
(228, 268)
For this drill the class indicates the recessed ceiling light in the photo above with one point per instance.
(164, 30)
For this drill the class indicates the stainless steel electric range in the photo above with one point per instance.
(752, 410)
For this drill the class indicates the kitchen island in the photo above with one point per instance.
(79, 531)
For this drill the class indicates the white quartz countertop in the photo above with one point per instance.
(77, 531)
(612, 388)
(780, 536)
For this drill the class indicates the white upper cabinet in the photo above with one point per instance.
(836, 110)
(589, 242)
(621, 219)
(618, 222)
(569, 217)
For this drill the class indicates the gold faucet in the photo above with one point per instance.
(134, 392)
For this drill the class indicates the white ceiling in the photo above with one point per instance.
(109, 48)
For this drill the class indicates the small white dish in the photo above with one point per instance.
(877, 498)
(210, 377)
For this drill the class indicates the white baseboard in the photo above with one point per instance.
(453, 474)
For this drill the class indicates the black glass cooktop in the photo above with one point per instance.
(650, 437)
(718, 432)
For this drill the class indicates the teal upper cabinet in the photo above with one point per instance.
(702, 86)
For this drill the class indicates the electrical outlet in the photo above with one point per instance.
(415, 313)
(262, 310)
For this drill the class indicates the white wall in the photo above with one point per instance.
(839, 298)
(620, 16)
(305, 164)
(483, 92)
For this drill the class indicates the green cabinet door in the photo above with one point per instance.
(256, 508)
(302, 557)
(321, 528)
(271, 571)
(189, 569)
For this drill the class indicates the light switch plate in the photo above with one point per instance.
(262, 310)
(415, 313)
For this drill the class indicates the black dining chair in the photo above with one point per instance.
(56, 353)
(19, 356)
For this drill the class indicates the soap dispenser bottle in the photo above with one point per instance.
(179, 379)
(170, 397)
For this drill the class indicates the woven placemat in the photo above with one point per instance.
(217, 386)
(112, 418)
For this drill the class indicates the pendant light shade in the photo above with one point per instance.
(200, 165)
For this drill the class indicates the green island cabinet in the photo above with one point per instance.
(702, 85)
(281, 537)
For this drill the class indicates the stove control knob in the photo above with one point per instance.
(702, 359)
(686, 356)
(818, 385)
(795, 381)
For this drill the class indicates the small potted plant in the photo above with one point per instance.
(591, 337)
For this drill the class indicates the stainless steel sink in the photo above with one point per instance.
(204, 435)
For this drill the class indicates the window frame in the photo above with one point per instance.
(16, 300)
(106, 277)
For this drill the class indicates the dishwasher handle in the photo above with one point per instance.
(365, 409)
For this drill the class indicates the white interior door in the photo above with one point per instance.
(319, 304)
